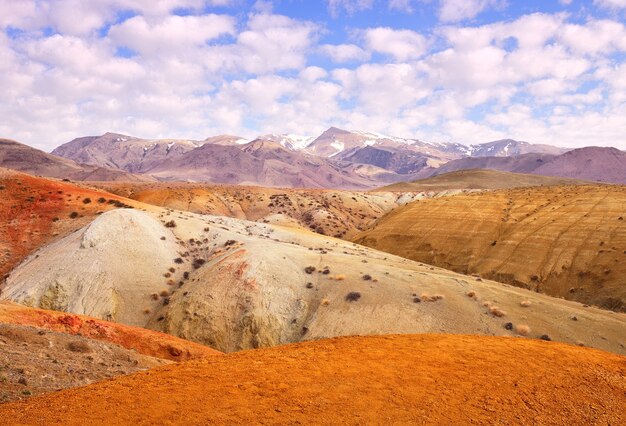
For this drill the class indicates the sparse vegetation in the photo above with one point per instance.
(367, 277)
(353, 296)
(497, 312)
(73, 215)
(309, 269)
(170, 224)
(197, 263)
(79, 346)
(86, 200)
(545, 337)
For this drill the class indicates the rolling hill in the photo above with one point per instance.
(565, 241)
(425, 379)
(478, 179)
(234, 285)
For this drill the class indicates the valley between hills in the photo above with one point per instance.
(156, 294)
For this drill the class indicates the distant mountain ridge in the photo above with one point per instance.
(337, 158)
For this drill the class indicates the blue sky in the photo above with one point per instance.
(464, 71)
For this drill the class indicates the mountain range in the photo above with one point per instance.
(337, 158)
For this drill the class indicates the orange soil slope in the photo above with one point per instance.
(418, 379)
(34, 210)
(146, 342)
(566, 241)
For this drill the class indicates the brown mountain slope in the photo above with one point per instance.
(20, 157)
(425, 379)
(564, 241)
(124, 152)
(479, 179)
(265, 163)
(590, 163)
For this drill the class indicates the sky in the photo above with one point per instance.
(468, 71)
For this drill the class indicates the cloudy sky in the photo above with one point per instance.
(544, 71)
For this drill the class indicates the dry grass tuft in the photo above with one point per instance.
(339, 277)
(325, 302)
(471, 294)
(428, 298)
(497, 312)
(525, 303)
(522, 329)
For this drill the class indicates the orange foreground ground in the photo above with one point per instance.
(419, 379)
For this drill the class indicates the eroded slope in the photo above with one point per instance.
(567, 241)
(234, 285)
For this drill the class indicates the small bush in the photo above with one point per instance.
(522, 329)
(326, 271)
(309, 269)
(170, 224)
(86, 200)
(428, 298)
(508, 326)
(73, 215)
(102, 200)
(154, 296)
(416, 300)
(497, 312)
(309, 285)
(325, 302)
(471, 294)
(546, 338)
(79, 346)
(186, 275)
(178, 260)
(164, 293)
(197, 263)
(366, 277)
(353, 296)
(230, 243)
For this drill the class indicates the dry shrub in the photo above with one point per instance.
(428, 298)
(522, 329)
(325, 302)
(497, 312)
(146, 311)
(525, 303)
(79, 346)
(487, 304)
(471, 294)
(339, 277)
(164, 293)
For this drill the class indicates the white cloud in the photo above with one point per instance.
(611, 4)
(403, 45)
(459, 10)
(344, 52)
(170, 34)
